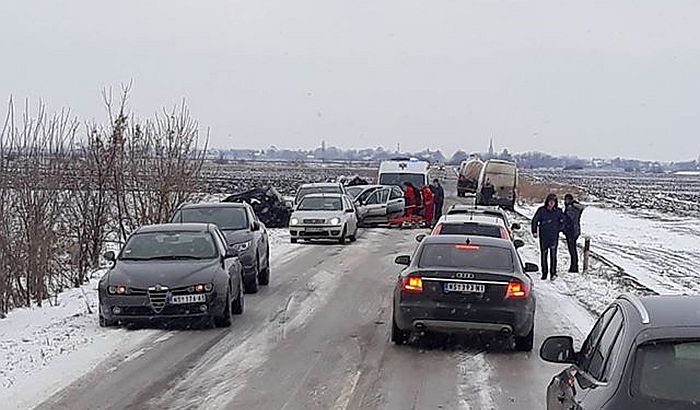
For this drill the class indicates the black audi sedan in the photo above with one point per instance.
(643, 353)
(172, 271)
(465, 284)
(243, 232)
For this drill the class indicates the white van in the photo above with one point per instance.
(398, 171)
(498, 182)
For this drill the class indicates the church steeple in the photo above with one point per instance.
(491, 153)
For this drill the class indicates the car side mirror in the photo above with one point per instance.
(420, 237)
(255, 226)
(558, 349)
(110, 256)
(403, 260)
(231, 253)
(531, 267)
(518, 243)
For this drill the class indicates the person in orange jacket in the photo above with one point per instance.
(409, 194)
(428, 204)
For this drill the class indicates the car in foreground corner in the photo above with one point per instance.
(324, 216)
(243, 232)
(458, 284)
(643, 353)
(172, 271)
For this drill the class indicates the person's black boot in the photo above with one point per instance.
(553, 276)
(544, 275)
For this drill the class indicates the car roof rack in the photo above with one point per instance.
(637, 303)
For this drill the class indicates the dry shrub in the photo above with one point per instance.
(531, 190)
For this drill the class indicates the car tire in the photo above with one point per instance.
(264, 275)
(293, 240)
(250, 285)
(239, 303)
(225, 319)
(398, 336)
(342, 237)
(524, 343)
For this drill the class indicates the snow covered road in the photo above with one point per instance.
(318, 338)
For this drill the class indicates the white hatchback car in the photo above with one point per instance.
(324, 216)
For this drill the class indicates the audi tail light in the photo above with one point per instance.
(516, 290)
(412, 284)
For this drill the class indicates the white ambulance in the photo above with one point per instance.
(400, 170)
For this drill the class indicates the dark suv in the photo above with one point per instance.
(244, 233)
(643, 353)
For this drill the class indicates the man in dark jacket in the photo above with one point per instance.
(438, 197)
(547, 223)
(572, 228)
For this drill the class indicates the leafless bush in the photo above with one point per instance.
(62, 197)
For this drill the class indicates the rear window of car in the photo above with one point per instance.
(667, 373)
(491, 231)
(450, 255)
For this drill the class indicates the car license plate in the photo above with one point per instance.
(180, 299)
(314, 229)
(464, 287)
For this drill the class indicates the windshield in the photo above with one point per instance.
(399, 178)
(354, 191)
(477, 229)
(668, 372)
(449, 255)
(320, 204)
(333, 189)
(226, 218)
(169, 245)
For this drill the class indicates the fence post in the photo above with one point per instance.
(586, 253)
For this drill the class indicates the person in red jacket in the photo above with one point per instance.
(428, 204)
(409, 194)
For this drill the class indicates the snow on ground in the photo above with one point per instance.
(661, 251)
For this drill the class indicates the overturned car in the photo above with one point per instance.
(270, 207)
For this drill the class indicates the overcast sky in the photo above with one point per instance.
(588, 78)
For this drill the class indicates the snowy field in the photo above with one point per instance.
(660, 250)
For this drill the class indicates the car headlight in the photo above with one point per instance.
(117, 290)
(335, 221)
(200, 288)
(240, 247)
(294, 221)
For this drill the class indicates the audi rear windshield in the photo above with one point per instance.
(667, 374)
(491, 231)
(466, 256)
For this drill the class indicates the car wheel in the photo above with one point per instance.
(237, 307)
(398, 336)
(524, 343)
(264, 276)
(250, 285)
(225, 319)
(342, 237)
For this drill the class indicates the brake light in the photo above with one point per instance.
(467, 247)
(412, 284)
(516, 290)
(504, 233)
(437, 229)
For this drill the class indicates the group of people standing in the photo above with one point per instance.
(548, 221)
(427, 200)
